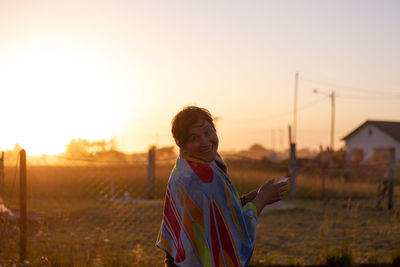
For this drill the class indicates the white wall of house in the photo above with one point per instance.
(368, 138)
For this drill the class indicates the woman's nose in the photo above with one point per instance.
(204, 141)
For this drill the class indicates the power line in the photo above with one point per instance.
(286, 113)
(349, 88)
(360, 97)
(312, 103)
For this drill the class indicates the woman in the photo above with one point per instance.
(205, 222)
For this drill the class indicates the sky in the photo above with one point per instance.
(122, 69)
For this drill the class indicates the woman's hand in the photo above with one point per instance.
(269, 193)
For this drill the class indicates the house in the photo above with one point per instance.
(373, 140)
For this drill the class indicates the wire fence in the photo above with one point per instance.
(87, 212)
(83, 212)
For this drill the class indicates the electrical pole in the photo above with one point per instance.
(296, 78)
(332, 97)
(292, 166)
(292, 143)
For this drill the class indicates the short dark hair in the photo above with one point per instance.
(184, 119)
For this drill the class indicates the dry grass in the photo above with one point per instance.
(73, 224)
(306, 234)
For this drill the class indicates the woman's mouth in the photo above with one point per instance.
(207, 150)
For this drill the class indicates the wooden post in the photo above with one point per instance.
(292, 166)
(348, 179)
(324, 190)
(350, 195)
(379, 195)
(391, 178)
(2, 183)
(293, 171)
(23, 223)
(151, 183)
(324, 163)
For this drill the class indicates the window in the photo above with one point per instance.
(357, 155)
(382, 155)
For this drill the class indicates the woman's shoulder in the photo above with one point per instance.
(191, 172)
(181, 169)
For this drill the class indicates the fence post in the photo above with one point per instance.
(348, 178)
(380, 183)
(2, 183)
(292, 166)
(151, 183)
(23, 223)
(391, 178)
(324, 165)
(324, 198)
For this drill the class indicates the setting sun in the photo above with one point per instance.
(59, 92)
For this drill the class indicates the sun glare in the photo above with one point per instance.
(57, 93)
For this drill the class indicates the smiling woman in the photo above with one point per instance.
(205, 223)
(54, 93)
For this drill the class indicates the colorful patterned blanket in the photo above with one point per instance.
(204, 223)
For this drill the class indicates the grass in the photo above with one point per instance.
(73, 223)
(306, 234)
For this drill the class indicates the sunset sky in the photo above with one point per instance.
(122, 69)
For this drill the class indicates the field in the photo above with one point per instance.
(97, 215)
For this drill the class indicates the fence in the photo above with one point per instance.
(85, 212)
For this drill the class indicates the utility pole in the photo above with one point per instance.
(296, 79)
(292, 166)
(332, 97)
(292, 143)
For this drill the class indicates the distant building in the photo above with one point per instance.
(372, 140)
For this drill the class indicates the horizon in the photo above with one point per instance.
(17, 148)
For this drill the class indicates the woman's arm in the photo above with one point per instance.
(248, 197)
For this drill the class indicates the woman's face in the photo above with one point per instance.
(202, 142)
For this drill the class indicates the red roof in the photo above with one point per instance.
(391, 128)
